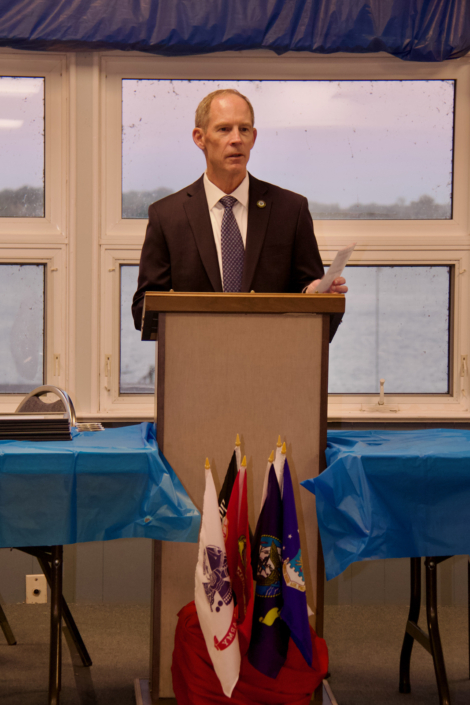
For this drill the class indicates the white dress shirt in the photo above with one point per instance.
(216, 210)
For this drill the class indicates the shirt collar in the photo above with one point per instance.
(214, 194)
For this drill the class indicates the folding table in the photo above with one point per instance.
(397, 494)
(97, 487)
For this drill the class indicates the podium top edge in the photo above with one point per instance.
(208, 302)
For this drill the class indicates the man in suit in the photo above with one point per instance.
(258, 238)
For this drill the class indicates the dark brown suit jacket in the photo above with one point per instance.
(179, 251)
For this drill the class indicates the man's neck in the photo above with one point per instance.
(227, 184)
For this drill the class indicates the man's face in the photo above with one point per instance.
(228, 139)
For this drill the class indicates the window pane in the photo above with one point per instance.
(137, 371)
(21, 147)
(356, 149)
(396, 326)
(21, 327)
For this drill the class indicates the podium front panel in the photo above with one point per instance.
(259, 375)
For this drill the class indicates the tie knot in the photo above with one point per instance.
(228, 201)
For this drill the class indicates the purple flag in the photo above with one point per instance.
(294, 611)
(270, 634)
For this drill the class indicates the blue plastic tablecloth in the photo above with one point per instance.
(98, 486)
(393, 494)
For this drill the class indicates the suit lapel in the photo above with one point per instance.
(257, 224)
(201, 226)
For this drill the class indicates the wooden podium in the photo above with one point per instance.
(253, 364)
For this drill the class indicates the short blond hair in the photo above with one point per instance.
(203, 109)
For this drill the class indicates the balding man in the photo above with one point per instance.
(229, 231)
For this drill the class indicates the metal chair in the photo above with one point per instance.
(33, 403)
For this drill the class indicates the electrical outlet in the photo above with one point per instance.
(36, 589)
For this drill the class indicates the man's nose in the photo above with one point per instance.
(235, 135)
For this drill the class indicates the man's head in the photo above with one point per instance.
(203, 109)
(225, 133)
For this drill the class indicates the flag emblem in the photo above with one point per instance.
(293, 573)
(216, 571)
(268, 581)
(242, 549)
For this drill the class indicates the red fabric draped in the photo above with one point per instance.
(195, 682)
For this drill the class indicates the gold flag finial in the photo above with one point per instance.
(207, 465)
(284, 448)
(244, 462)
(271, 457)
(279, 442)
(237, 440)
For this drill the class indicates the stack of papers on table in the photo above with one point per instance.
(35, 427)
(84, 426)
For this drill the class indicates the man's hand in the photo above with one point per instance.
(338, 286)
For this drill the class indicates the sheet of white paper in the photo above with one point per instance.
(336, 269)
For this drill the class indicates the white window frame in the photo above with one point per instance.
(453, 406)
(55, 343)
(135, 406)
(423, 242)
(45, 240)
(52, 228)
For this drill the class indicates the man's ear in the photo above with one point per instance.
(255, 134)
(198, 137)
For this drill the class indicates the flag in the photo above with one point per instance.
(265, 484)
(238, 546)
(213, 593)
(294, 610)
(227, 487)
(229, 481)
(278, 460)
(270, 634)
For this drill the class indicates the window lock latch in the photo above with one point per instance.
(381, 406)
(107, 372)
(463, 365)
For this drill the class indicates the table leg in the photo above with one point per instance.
(55, 653)
(155, 622)
(413, 616)
(6, 629)
(433, 628)
(67, 615)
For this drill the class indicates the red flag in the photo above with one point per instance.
(195, 682)
(237, 545)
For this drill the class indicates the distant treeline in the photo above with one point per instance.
(24, 202)
(28, 202)
(425, 208)
(135, 203)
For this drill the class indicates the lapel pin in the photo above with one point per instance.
(261, 204)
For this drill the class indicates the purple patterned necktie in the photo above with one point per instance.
(233, 251)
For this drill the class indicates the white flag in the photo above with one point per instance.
(213, 594)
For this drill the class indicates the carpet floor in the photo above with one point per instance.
(364, 645)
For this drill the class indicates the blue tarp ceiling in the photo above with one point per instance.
(415, 30)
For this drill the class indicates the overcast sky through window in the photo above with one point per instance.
(343, 142)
